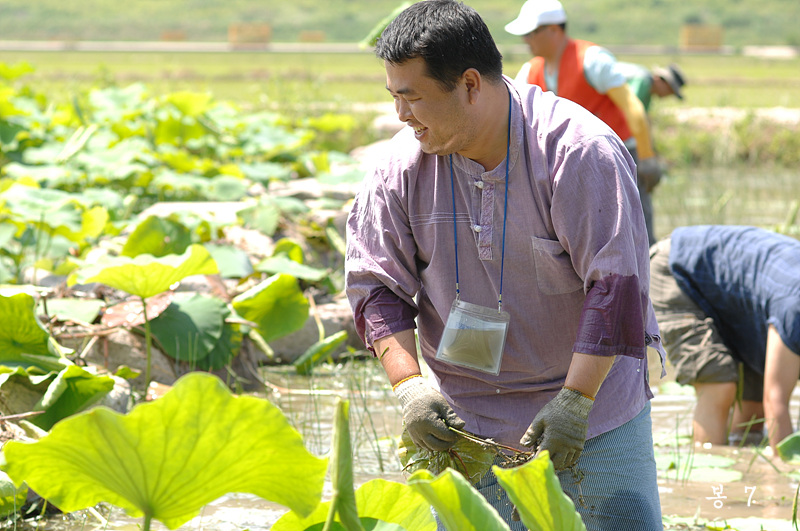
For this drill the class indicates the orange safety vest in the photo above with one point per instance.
(572, 85)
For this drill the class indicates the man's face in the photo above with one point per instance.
(438, 117)
(538, 41)
(661, 88)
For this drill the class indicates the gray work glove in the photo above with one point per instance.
(560, 427)
(649, 172)
(427, 415)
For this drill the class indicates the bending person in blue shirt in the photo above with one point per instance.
(725, 297)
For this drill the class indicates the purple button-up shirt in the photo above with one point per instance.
(576, 262)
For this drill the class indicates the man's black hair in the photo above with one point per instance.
(449, 36)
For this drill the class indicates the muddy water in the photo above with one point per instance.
(753, 489)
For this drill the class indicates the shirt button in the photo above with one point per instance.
(497, 391)
(477, 228)
(479, 184)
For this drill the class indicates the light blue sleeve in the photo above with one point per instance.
(602, 70)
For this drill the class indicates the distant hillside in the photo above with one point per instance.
(611, 22)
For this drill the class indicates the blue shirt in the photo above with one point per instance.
(745, 279)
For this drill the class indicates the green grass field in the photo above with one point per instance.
(297, 78)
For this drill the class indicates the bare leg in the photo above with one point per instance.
(748, 418)
(714, 401)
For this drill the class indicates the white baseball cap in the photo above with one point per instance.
(535, 13)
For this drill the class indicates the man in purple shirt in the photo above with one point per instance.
(511, 199)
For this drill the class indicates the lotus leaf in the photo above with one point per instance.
(26, 343)
(168, 458)
(535, 490)
(284, 264)
(458, 505)
(381, 503)
(11, 498)
(227, 188)
(71, 308)
(276, 305)
(72, 391)
(113, 103)
(12, 72)
(145, 275)
(190, 103)
(232, 261)
(789, 449)
(158, 236)
(190, 327)
(376, 505)
(318, 352)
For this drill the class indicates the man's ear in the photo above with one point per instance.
(473, 83)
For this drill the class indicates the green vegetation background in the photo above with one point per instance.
(610, 22)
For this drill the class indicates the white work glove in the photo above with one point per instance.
(560, 428)
(649, 173)
(427, 415)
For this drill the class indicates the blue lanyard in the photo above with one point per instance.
(505, 214)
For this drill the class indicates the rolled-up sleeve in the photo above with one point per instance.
(381, 277)
(597, 216)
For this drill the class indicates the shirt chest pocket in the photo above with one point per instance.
(554, 271)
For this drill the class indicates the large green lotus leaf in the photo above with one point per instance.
(8, 134)
(232, 261)
(170, 184)
(72, 308)
(168, 458)
(48, 173)
(146, 275)
(227, 188)
(159, 237)
(11, 72)
(227, 348)
(376, 505)
(318, 352)
(383, 505)
(536, 492)
(189, 328)
(276, 305)
(72, 391)
(789, 449)
(394, 502)
(11, 498)
(23, 336)
(52, 210)
(264, 216)
(21, 390)
(190, 103)
(113, 103)
(284, 264)
(459, 506)
(266, 171)
(177, 129)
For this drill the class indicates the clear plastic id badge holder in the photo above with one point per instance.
(474, 336)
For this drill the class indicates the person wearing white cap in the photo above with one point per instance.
(589, 75)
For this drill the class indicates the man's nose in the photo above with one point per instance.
(403, 110)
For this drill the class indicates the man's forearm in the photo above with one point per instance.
(398, 355)
(781, 370)
(587, 372)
